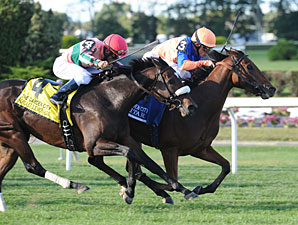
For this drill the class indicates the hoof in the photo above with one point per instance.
(197, 189)
(168, 200)
(82, 189)
(191, 196)
(125, 196)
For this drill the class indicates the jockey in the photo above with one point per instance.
(185, 54)
(82, 59)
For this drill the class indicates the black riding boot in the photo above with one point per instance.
(63, 91)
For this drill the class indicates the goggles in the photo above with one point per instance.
(120, 52)
(205, 48)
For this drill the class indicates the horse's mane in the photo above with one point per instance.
(140, 64)
(216, 56)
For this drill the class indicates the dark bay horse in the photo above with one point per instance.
(194, 135)
(101, 127)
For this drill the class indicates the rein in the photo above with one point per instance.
(172, 99)
(241, 73)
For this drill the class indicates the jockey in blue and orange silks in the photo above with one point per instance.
(82, 59)
(185, 54)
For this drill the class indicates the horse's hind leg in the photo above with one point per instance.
(8, 158)
(13, 136)
(210, 155)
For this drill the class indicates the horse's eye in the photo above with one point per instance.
(249, 67)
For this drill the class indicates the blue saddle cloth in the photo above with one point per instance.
(148, 110)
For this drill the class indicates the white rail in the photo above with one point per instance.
(252, 103)
(239, 102)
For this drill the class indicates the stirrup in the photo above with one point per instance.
(55, 100)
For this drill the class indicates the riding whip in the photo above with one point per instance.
(144, 47)
(238, 14)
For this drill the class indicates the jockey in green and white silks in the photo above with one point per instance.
(84, 58)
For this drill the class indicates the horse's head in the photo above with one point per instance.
(246, 75)
(166, 87)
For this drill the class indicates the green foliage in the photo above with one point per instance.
(143, 28)
(110, 20)
(283, 50)
(220, 40)
(27, 72)
(69, 40)
(285, 25)
(45, 35)
(14, 22)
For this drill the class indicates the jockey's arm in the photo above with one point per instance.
(191, 65)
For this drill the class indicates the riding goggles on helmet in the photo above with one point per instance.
(120, 52)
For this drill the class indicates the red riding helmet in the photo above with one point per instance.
(116, 44)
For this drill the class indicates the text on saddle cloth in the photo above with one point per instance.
(148, 110)
(35, 98)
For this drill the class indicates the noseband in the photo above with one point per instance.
(241, 72)
(172, 100)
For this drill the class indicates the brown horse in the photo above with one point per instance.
(194, 135)
(101, 127)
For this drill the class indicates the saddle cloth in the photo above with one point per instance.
(35, 98)
(148, 110)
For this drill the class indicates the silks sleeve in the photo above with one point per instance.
(191, 65)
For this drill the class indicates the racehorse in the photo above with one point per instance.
(101, 127)
(194, 135)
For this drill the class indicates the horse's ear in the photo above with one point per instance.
(216, 56)
(159, 62)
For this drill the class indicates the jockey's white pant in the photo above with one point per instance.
(181, 73)
(67, 71)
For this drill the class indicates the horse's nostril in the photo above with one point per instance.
(272, 91)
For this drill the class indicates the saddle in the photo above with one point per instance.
(34, 97)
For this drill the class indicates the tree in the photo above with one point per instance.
(285, 24)
(143, 28)
(112, 19)
(15, 18)
(45, 35)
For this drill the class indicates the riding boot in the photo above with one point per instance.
(60, 95)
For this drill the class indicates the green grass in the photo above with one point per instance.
(260, 58)
(264, 191)
(259, 134)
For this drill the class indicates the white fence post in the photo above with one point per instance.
(234, 139)
(68, 159)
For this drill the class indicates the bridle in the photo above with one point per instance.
(172, 99)
(241, 72)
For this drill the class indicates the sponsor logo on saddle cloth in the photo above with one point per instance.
(148, 110)
(35, 98)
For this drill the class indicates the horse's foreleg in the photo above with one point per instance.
(157, 188)
(107, 148)
(145, 160)
(210, 155)
(170, 160)
(98, 162)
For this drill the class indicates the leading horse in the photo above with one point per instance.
(101, 127)
(194, 135)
